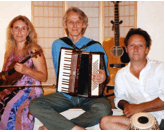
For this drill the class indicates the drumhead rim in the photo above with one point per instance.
(138, 125)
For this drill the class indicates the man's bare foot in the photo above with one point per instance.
(74, 128)
(42, 128)
(78, 128)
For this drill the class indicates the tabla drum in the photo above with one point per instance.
(143, 121)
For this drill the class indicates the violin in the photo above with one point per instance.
(11, 76)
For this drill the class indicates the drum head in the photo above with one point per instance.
(142, 121)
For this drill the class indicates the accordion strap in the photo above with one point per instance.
(70, 43)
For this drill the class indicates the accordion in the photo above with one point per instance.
(75, 72)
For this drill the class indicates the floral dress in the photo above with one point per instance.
(14, 112)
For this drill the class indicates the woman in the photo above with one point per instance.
(21, 43)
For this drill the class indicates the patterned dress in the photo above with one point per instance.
(14, 112)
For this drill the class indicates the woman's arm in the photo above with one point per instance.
(39, 62)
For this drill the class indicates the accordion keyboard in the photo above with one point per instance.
(65, 70)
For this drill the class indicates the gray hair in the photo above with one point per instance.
(81, 14)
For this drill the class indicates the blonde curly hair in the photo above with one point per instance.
(10, 41)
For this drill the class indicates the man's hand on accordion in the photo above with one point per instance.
(99, 77)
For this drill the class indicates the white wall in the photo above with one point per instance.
(150, 17)
(9, 10)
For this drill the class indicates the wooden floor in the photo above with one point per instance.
(110, 95)
(112, 103)
(48, 90)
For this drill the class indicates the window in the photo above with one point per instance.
(47, 20)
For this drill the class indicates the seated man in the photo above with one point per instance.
(47, 108)
(139, 87)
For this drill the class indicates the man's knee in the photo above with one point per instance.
(103, 108)
(33, 106)
(104, 122)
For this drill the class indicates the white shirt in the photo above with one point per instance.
(149, 86)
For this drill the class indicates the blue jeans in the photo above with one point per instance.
(47, 109)
(162, 125)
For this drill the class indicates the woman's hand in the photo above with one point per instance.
(100, 77)
(21, 68)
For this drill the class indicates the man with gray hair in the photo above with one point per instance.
(47, 108)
